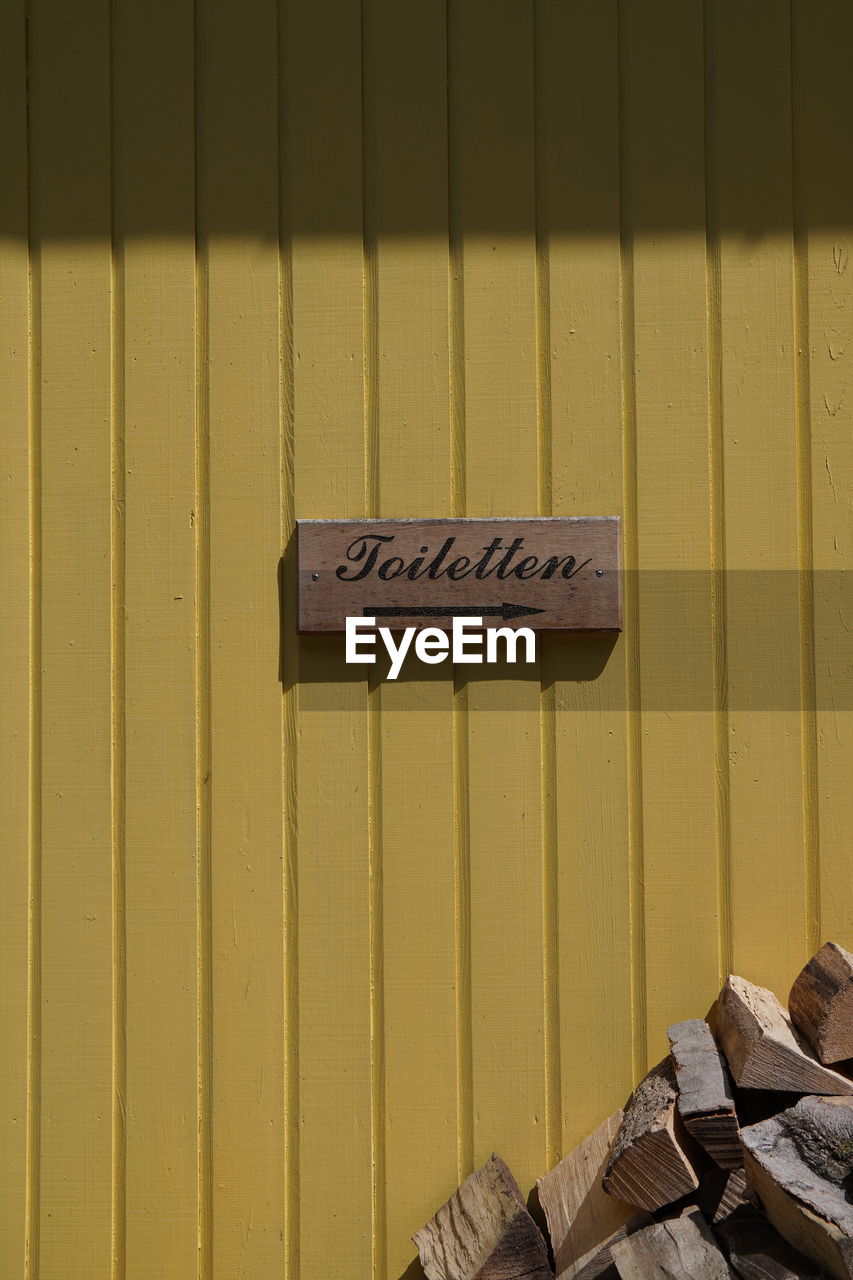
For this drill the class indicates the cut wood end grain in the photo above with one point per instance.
(583, 1220)
(761, 1046)
(821, 1003)
(705, 1099)
(734, 1156)
(651, 1164)
(723, 1194)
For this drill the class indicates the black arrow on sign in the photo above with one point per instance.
(455, 611)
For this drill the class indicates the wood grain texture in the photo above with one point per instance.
(762, 1048)
(653, 1160)
(723, 1194)
(583, 1220)
(597, 965)
(410, 462)
(823, 180)
(491, 95)
(705, 1100)
(681, 1247)
(752, 173)
(72, 1224)
(483, 1231)
(821, 1003)
(663, 165)
(561, 574)
(337, 260)
(757, 1252)
(156, 563)
(16, 745)
(812, 1213)
(333, 968)
(240, 785)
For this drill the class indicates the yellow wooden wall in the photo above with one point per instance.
(286, 953)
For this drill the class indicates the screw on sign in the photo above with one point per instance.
(559, 574)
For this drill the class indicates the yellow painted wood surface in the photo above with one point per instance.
(768, 811)
(587, 730)
(156, 943)
(19, 983)
(668, 425)
(287, 951)
(409, 447)
(825, 313)
(491, 165)
(74, 1062)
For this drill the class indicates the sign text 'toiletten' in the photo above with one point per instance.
(554, 574)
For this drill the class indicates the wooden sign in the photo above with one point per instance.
(560, 574)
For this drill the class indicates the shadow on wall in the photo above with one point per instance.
(414, 1271)
(316, 661)
(334, 119)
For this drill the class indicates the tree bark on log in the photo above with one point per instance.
(809, 1210)
(652, 1162)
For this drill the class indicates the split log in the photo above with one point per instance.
(723, 1193)
(682, 1247)
(652, 1161)
(755, 1105)
(705, 1099)
(484, 1231)
(601, 1265)
(757, 1252)
(821, 1003)
(762, 1048)
(822, 1131)
(583, 1220)
(810, 1210)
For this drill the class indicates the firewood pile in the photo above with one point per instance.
(733, 1157)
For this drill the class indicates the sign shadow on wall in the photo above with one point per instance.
(316, 663)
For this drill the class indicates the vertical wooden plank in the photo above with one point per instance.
(823, 152)
(493, 213)
(15, 672)
(154, 234)
(663, 224)
(406, 207)
(238, 217)
(751, 202)
(330, 1033)
(70, 132)
(578, 160)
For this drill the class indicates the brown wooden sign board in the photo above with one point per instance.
(551, 574)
